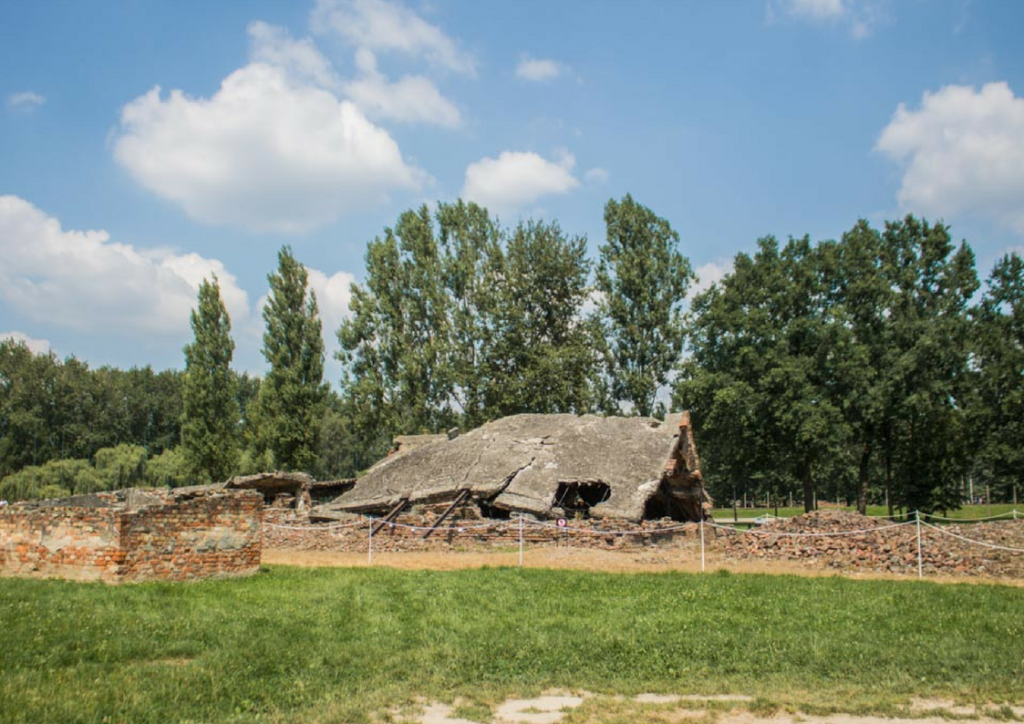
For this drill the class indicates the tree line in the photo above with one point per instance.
(872, 368)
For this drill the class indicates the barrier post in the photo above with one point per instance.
(917, 514)
(702, 542)
(369, 547)
(520, 540)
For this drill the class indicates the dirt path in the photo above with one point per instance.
(559, 707)
(585, 559)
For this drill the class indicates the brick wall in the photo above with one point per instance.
(167, 538)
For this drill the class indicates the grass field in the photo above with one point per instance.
(319, 645)
(965, 513)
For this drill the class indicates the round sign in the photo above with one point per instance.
(562, 522)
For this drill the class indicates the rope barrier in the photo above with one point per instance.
(986, 544)
(1001, 516)
(784, 534)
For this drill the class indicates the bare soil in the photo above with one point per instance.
(588, 559)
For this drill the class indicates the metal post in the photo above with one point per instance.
(369, 547)
(917, 514)
(702, 542)
(520, 540)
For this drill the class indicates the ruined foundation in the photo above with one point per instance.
(134, 535)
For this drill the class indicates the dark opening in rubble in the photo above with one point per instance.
(488, 510)
(581, 497)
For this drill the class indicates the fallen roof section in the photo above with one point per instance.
(534, 464)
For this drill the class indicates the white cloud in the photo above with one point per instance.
(516, 178)
(264, 152)
(816, 9)
(38, 346)
(962, 151)
(382, 26)
(26, 101)
(83, 280)
(300, 59)
(710, 273)
(597, 175)
(333, 294)
(860, 17)
(413, 99)
(539, 70)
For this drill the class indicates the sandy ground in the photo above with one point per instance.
(586, 559)
(555, 706)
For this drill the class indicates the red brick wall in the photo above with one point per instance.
(77, 543)
(182, 539)
(204, 537)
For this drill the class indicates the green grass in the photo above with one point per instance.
(320, 645)
(968, 511)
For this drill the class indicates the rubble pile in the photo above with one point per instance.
(467, 530)
(849, 541)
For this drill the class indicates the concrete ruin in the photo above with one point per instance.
(294, 491)
(545, 466)
(134, 535)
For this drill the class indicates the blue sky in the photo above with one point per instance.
(144, 145)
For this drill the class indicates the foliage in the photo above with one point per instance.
(998, 374)
(318, 645)
(541, 353)
(292, 393)
(642, 279)
(210, 419)
(805, 361)
(461, 322)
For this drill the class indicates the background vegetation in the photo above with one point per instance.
(874, 369)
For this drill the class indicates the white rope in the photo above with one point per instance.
(970, 520)
(599, 531)
(314, 527)
(975, 542)
(460, 529)
(766, 533)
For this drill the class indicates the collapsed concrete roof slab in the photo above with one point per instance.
(518, 464)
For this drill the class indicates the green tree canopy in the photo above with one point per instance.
(292, 393)
(642, 278)
(210, 417)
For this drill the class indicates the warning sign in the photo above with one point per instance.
(562, 522)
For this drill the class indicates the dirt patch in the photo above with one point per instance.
(555, 707)
(587, 559)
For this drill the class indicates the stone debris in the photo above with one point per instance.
(881, 546)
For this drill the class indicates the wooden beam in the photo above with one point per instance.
(463, 496)
(391, 516)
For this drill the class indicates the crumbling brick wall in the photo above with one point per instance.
(170, 538)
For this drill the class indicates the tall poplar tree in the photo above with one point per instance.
(292, 395)
(209, 421)
(643, 278)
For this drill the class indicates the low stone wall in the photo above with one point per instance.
(108, 538)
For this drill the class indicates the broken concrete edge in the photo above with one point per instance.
(678, 491)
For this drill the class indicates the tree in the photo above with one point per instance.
(761, 379)
(396, 344)
(540, 356)
(209, 424)
(998, 351)
(473, 269)
(292, 393)
(643, 279)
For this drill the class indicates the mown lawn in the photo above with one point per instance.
(320, 645)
